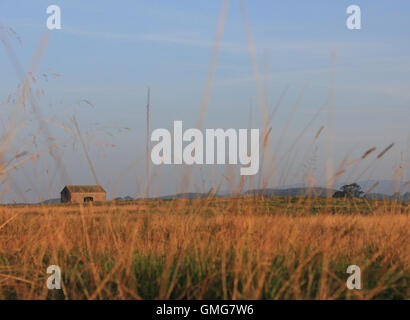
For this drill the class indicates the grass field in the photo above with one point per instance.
(282, 248)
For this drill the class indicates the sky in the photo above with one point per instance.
(101, 62)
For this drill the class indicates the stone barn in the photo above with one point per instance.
(81, 194)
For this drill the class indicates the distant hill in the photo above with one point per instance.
(292, 191)
(187, 195)
(397, 196)
(52, 201)
(378, 196)
(126, 198)
(289, 192)
(315, 192)
(387, 187)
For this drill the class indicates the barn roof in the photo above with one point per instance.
(76, 189)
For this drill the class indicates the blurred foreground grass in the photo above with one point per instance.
(280, 248)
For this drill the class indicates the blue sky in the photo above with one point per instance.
(109, 52)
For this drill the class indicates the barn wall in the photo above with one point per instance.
(65, 196)
(79, 197)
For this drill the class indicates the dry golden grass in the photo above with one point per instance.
(218, 249)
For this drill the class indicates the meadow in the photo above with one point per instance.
(245, 248)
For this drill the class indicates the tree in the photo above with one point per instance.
(349, 191)
(339, 194)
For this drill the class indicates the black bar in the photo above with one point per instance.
(207, 309)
